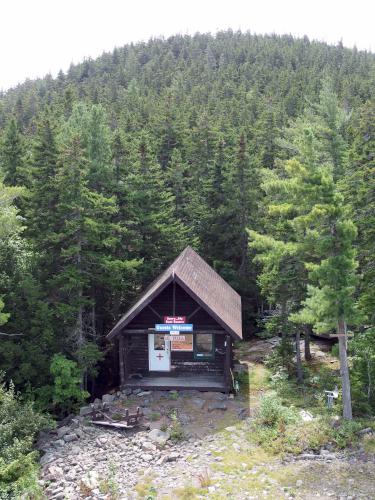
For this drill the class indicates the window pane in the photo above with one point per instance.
(159, 343)
(204, 343)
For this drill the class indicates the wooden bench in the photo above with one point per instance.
(126, 420)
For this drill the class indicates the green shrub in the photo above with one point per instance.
(281, 358)
(67, 393)
(271, 412)
(346, 434)
(176, 430)
(19, 425)
(362, 374)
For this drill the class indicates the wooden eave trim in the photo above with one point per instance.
(206, 308)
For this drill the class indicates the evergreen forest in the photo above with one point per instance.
(258, 151)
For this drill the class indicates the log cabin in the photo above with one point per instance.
(180, 332)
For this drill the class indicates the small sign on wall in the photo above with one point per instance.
(174, 320)
(175, 338)
(180, 342)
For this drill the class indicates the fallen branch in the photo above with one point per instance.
(11, 334)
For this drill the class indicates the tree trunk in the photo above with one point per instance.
(283, 320)
(298, 357)
(307, 330)
(344, 370)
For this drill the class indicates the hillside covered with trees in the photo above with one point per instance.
(258, 151)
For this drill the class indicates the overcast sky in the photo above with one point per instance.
(41, 36)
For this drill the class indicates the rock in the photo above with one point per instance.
(71, 475)
(199, 403)
(243, 413)
(59, 443)
(47, 458)
(299, 483)
(127, 391)
(146, 457)
(108, 398)
(172, 457)
(147, 446)
(91, 479)
(101, 440)
(324, 452)
(219, 396)
(188, 392)
(55, 473)
(367, 430)
(137, 391)
(61, 431)
(306, 416)
(85, 410)
(68, 438)
(237, 447)
(158, 436)
(144, 393)
(231, 428)
(217, 406)
(97, 404)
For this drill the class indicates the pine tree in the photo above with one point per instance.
(43, 199)
(12, 155)
(86, 234)
(160, 235)
(359, 187)
(330, 302)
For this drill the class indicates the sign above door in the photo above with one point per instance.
(185, 327)
(174, 320)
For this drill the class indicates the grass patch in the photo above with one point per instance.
(109, 486)
(369, 444)
(188, 492)
(145, 489)
(155, 415)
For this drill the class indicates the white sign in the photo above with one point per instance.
(175, 338)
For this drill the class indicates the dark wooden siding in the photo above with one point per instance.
(138, 354)
(137, 359)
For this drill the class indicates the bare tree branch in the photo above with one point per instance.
(11, 334)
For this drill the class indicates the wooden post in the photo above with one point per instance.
(344, 369)
(228, 362)
(298, 357)
(121, 360)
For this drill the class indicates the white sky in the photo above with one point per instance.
(41, 36)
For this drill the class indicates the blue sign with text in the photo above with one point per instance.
(184, 327)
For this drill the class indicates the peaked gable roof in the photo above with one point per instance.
(202, 283)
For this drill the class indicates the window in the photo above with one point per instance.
(204, 346)
(159, 344)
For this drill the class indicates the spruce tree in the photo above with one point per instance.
(160, 235)
(12, 155)
(359, 188)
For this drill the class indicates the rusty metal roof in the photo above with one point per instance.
(202, 283)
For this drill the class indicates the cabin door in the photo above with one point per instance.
(159, 353)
